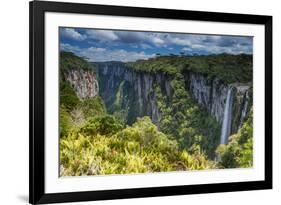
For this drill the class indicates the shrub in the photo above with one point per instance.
(65, 123)
(138, 148)
(239, 151)
(103, 125)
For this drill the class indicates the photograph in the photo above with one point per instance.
(134, 102)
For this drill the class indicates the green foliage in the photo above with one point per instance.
(104, 125)
(70, 61)
(185, 121)
(74, 111)
(239, 151)
(181, 117)
(65, 123)
(93, 142)
(93, 107)
(138, 148)
(197, 161)
(229, 68)
(68, 97)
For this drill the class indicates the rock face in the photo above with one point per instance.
(84, 82)
(136, 92)
(242, 103)
(212, 93)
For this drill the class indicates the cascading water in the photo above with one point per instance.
(226, 123)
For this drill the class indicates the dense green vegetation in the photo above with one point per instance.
(239, 151)
(229, 68)
(136, 149)
(72, 117)
(70, 61)
(183, 120)
(74, 111)
(93, 142)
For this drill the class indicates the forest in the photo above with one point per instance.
(153, 115)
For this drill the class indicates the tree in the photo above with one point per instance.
(103, 125)
(65, 121)
(239, 151)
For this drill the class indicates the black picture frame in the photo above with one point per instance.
(37, 11)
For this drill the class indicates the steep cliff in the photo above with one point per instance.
(212, 93)
(79, 74)
(84, 82)
(122, 86)
(191, 102)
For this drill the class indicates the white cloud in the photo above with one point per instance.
(144, 39)
(157, 41)
(145, 46)
(198, 46)
(72, 34)
(192, 43)
(70, 48)
(96, 54)
(102, 35)
(186, 49)
(94, 49)
(180, 41)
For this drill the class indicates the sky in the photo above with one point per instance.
(115, 45)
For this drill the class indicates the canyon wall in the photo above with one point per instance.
(123, 87)
(211, 93)
(135, 91)
(84, 82)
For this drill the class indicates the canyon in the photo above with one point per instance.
(228, 103)
(123, 88)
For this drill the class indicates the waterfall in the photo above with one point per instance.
(226, 123)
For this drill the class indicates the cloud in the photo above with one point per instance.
(102, 35)
(96, 54)
(130, 37)
(140, 45)
(72, 34)
(198, 46)
(215, 49)
(227, 42)
(127, 37)
(161, 42)
(145, 46)
(158, 41)
(186, 49)
(180, 41)
(69, 48)
(213, 44)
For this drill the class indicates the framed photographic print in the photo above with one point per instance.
(140, 102)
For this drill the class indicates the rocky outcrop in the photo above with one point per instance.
(84, 82)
